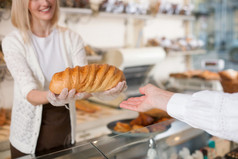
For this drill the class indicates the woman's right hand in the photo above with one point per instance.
(65, 97)
(153, 97)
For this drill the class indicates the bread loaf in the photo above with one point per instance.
(89, 78)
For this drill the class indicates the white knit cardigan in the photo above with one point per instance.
(22, 62)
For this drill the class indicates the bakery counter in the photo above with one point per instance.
(136, 144)
(92, 123)
(96, 140)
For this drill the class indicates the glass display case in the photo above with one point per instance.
(157, 141)
(216, 24)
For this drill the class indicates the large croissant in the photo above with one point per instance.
(89, 78)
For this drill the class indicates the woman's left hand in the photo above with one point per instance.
(111, 93)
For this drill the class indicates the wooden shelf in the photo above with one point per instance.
(124, 15)
(76, 10)
(190, 52)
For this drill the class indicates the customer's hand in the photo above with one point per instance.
(65, 97)
(153, 97)
(111, 93)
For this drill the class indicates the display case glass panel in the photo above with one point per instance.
(154, 141)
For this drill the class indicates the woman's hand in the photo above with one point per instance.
(65, 97)
(153, 97)
(111, 93)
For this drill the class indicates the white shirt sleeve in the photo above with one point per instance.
(78, 52)
(214, 112)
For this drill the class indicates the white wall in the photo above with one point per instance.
(5, 24)
(170, 28)
(109, 33)
(6, 93)
(98, 32)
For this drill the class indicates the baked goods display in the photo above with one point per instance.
(179, 45)
(89, 51)
(5, 120)
(166, 7)
(143, 120)
(5, 3)
(194, 80)
(139, 124)
(122, 127)
(229, 75)
(202, 74)
(145, 7)
(208, 75)
(86, 106)
(229, 80)
(132, 7)
(89, 78)
(3, 117)
(118, 6)
(75, 3)
(1, 58)
(186, 74)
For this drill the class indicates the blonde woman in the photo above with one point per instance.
(36, 50)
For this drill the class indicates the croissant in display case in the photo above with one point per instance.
(139, 124)
(89, 78)
(86, 106)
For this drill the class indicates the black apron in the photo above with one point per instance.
(55, 131)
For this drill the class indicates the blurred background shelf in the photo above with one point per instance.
(76, 10)
(124, 15)
(182, 53)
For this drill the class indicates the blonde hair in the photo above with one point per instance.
(21, 17)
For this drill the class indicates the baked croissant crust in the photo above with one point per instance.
(89, 78)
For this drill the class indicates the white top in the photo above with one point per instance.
(214, 112)
(22, 62)
(49, 55)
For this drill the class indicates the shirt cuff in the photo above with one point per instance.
(176, 105)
